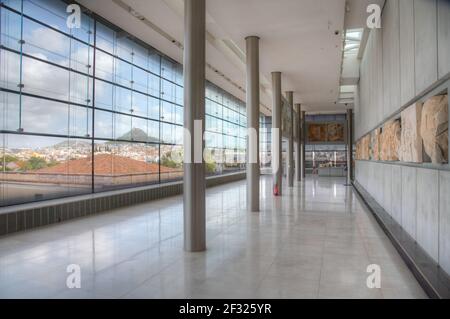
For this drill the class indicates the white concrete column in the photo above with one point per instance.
(303, 143)
(277, 168)
(194, 114)
(349, 146)
(297, 156)
(290, 148)
(253, 170)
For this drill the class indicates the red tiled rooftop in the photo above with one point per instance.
(105, 164)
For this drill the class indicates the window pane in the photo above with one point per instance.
(179, 97)
(40, 168)
(43, 116)
(103, 124)
(141, 56)
(80, 121)
(105, 38)
(140, 80)
(212, 161)
(179, 115)
(86, 32)
(122, 100)
(168, 134)
(154, 62)
(44, 79)
(122, 73)
(104, 66)
(168, 112)
(124, 49)
(9, 72)
(139, 104)
(103, 95)
(168, 70)
(45, 43)
(153, 85)
(9, 111)
(81, 57)
(122, 127)
(171, 162)
(80, 89)
(168, 91)
(153, 131)
(153, 108)
(10, 29)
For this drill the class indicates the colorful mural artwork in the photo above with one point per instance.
(325, 132)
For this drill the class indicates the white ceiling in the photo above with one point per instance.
(297, 38)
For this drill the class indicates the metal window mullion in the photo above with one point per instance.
(160, 125)
(94, 59)
(21, 67)
(148, 114)
(89, 67)
(69, 98)
(131, 100)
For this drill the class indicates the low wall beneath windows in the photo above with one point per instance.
(86, 179)
(29, 216)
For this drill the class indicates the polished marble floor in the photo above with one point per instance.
(315, 241)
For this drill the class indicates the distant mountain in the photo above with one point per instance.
(136, 134)
(71, 143)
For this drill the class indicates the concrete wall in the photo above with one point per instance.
(417, 199)
(402, 59)
(402, 62)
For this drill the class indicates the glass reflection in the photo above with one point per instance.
(78, 118)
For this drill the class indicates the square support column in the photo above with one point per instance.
(297, 155)
(290, 148)
(252, 105)
(277, 168)
(349, 146)
(303, 143)
(194, 118)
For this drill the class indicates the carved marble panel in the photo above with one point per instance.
(390, 140)
(366, 147)
(411, 140)
(434, 128)
(375, 149)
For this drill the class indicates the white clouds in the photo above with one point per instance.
(54, 41)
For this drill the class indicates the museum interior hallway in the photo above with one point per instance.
(315, 241)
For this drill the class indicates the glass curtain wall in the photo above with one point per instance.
(90, 109)
(265, 141)
(332, 155)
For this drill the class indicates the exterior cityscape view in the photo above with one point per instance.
(91, 109)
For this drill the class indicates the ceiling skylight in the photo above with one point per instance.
(352, 42)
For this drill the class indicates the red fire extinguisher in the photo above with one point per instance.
(276, 191)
